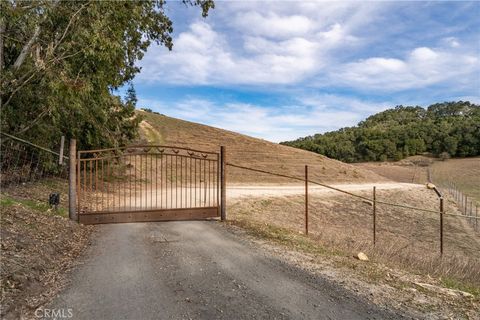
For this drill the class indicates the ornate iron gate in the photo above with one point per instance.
(147, 183)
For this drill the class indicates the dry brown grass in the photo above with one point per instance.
(410, 170)
(38, 245)
(464, 172)
(251, 152)
(405, 238)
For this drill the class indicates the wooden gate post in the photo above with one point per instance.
(223, 185)
(306, 199)
(72, 184)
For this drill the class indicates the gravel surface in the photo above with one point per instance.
(238, 191)
(198, 270)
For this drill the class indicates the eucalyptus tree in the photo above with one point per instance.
(61, 61)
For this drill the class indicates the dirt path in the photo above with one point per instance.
(198, 270)
(192, 197)
(238, 191)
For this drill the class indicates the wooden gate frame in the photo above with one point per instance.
(158, 214)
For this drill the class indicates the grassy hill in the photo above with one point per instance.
(250, 152)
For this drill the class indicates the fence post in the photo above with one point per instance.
(223, 185)
(72, 184)
(60, 158)
(441, 226)
(306, 199)
(374, 215)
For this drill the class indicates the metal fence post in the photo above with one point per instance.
(306, 199)
(374, 216)
(72, 184)
(441, 226)
(223, 185)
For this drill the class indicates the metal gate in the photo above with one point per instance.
(148, 183)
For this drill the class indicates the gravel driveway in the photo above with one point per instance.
(197, 270)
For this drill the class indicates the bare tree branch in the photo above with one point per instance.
(26, 48)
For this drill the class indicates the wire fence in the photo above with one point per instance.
(435, 222)
(22, 161)
(468, 205)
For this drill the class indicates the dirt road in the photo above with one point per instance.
(237, 191)
(186, 197)
(197, 270)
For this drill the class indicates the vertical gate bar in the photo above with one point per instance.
(204, 182)
(91, 185)
(145, 186)
(119, 186)
(181, 182)
(136, 181)
(199, 183)
(306, 199)
(374, 205)
(72, 176)
(209, 181)
(161, 180)
(190, 182)
(223, 204)
(217, 174)
(185, 181)
(140, 181)
(156, 181)
(176, 181)
(195, 172)
(122, 184)
(79, 184)
(146, 180)
(108, 183)
(103, 191)
(166, 181)
(96, 185)
(171, 181)
(130, 182)
(151, 181)
(115, 186)
(116, 198)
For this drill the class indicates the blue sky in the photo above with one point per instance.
(286, 69)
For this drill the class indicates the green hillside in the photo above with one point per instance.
(446, 129)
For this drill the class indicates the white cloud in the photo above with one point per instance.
(452, 42)
(420, 68)
(257, 43)
(272, 25)
(203, 56)
(312, 114)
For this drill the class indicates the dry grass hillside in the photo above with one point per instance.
(410, 170)
(464, 172)
(250, 152)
